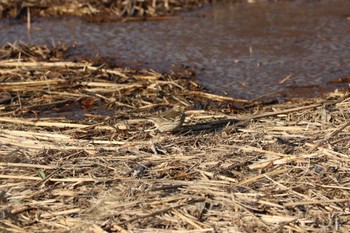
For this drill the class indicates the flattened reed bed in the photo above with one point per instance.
(77, 155)
(100, 10)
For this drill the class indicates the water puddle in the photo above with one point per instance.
(240, 49)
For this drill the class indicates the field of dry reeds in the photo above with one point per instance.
(98, 10)
(77, 154)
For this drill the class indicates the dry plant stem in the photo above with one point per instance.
(51, 179)
(26, 165)
(217, 97)
(268, 114)
(335, 132)
(163, 210)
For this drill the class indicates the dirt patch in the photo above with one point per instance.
(78, 155)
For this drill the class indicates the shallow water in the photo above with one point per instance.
(242, 49)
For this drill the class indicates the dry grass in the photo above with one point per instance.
(77, 156)
(98, 10)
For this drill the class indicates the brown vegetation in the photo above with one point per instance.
(100, 10)
(77, 155)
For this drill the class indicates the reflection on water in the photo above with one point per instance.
(241, 49)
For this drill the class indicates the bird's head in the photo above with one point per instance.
(179, 108)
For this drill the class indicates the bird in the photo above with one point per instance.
(170, 120)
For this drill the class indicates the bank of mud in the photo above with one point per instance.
(77, 153)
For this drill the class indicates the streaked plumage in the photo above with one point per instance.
(169, 120)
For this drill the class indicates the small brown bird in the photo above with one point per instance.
(169, 120)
